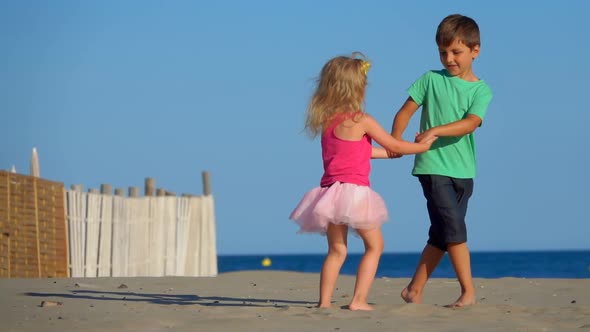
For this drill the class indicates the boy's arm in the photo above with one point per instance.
(401, 120)
(455, 129)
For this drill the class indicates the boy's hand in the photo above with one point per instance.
(425, 136)
(394, 155)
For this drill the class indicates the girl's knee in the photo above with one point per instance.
(376, 247)
(373, 240)
(338, 251)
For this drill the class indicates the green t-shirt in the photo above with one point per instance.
(445, 99)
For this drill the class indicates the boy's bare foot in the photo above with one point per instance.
(323, 306)
(463, 301)
(411, 297)
(360, 306)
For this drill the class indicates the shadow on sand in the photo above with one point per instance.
(176, 299)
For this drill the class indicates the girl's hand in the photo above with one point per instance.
(425, 137)
(429, 140)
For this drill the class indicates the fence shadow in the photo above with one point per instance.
(175, 299)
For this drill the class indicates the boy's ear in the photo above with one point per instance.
(475, 52)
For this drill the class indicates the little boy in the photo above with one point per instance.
(454, 102)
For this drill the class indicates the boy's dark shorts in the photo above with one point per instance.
(446, 199)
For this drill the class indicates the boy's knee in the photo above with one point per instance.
(441, 245)
(455, 231)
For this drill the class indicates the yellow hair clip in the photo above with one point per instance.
(365, 65)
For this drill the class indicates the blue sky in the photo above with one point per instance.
(117, 91)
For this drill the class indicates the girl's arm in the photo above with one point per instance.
(379, 153)
(374, 129)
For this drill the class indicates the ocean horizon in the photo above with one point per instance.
(484, 264)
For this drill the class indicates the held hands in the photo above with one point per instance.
(427, 137)
(393, 155)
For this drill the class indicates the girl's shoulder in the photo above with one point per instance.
(339, 117)
(362, 116)
(356, 116)
(362, 120)
(368, 123)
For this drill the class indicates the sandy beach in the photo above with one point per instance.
(284, 301)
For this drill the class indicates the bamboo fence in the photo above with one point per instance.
(33, 241)
(141, 236)
(46, 231)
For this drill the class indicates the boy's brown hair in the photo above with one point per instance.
(459, 27)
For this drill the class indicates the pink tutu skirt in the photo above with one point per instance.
(357, 206)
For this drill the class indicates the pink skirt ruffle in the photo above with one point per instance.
(357, 206)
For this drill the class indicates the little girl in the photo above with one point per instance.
(344, 198)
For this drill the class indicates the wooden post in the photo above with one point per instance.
(37, 228)
(8, 217)
(133, 191)
(93, 191)
(161, 192)
(77, 187)
(206, 183)
(67, 227)
(120, 192)
(150, 186)
(8, 255)
(106, 189)
(7, 237)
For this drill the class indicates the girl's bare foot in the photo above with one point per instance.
(324, 305)
(411, 296)
(360, 306)
(463, 301)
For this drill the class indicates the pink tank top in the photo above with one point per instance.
(345, 161)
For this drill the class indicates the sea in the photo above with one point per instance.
(519, 264)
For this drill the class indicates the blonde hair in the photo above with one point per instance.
(340, 89)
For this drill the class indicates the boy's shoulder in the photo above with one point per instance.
(443, 74)
(435, 76)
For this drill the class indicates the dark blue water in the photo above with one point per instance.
(521, 264)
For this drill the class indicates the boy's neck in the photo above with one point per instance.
(468, 76)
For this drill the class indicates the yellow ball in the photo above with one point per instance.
(266, 262)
